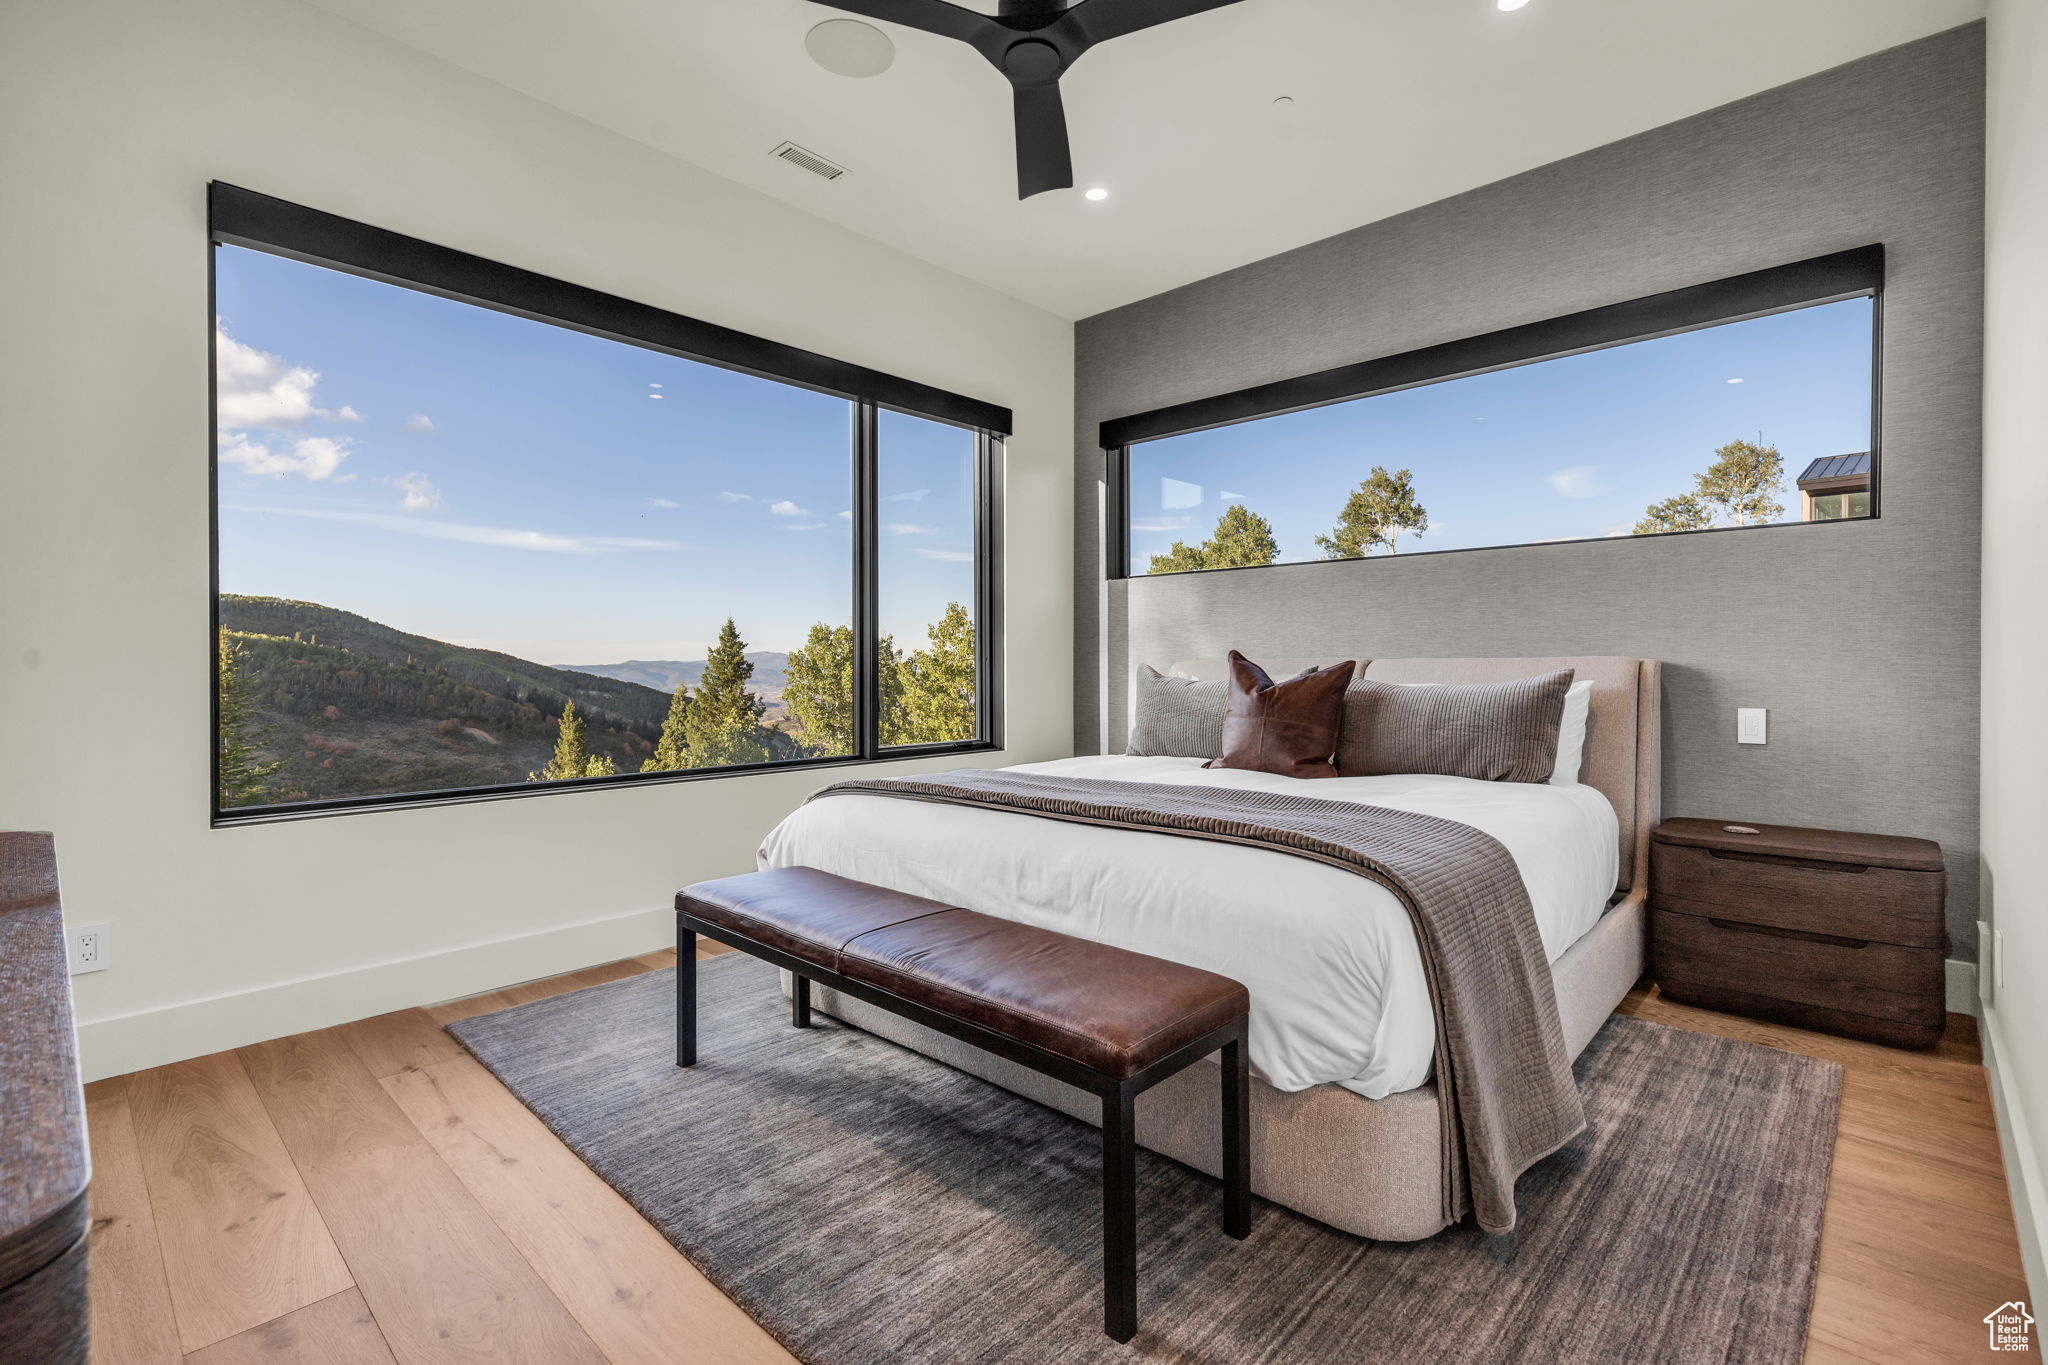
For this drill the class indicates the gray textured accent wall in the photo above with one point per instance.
(1861, 639)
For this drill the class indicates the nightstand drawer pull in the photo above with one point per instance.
(1779, 860)
(1774, 931)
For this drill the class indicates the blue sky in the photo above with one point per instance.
(488, 480)
(1559, 449)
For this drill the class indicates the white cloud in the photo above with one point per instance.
(314, 457)
(662, 503)
(419, 421)
(904, 528)
(735, 497)
(786, 508)
(1578, 481)
(344, 413)
(914, 495)
(846, 514)
(956, 556)
(256, 389)
(498, 536)
(420, 493)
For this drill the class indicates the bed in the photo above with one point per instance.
(1345, 1112)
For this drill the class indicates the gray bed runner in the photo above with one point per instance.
(1504, 1083)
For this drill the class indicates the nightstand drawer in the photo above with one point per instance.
(1879, 980)
(1848, 900)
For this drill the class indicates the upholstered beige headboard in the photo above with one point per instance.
(1623, 746)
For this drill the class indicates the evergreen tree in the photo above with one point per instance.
(1376, 513)
(722, 726)
(243, 778)
(671, 750)
(1242, 538)
(939, 683)
(1740, 488)
(572, 757)
(1681, 512)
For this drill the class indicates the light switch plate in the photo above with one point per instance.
(1749, 725)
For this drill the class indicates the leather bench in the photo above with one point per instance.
(1108, 1020)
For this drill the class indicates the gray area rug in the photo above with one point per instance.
(867, 1204)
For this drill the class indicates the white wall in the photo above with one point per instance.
(2015, 771)
(117, 113)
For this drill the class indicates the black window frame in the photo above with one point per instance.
(1833, 278)
(245, 218)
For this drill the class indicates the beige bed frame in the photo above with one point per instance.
(1371, 1167)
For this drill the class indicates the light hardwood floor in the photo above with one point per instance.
(369, 1194)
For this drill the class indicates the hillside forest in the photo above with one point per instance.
(317, 703)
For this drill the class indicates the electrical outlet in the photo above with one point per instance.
(88, 946)
(1749, 725)
(1987, 963)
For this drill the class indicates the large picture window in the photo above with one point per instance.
(469, 546)
(1746, 403)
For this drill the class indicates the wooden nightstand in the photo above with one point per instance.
(1812, 927)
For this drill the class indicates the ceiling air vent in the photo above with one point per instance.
(808, 160)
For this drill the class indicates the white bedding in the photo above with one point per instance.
(1336, 981)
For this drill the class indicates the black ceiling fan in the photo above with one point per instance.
(1033, 42)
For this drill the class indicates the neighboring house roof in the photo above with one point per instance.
(1836, 467)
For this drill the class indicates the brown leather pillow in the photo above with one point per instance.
(1289, 728)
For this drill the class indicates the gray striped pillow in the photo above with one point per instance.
(1496, 732)
(1177, 717)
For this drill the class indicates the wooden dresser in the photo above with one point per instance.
(43, 1161)
(1812, 927)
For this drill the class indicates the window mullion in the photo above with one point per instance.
(867, 698)
(988, 588)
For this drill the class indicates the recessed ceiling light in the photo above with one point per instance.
(847, 47)
(1509, 4)
(1098, 194)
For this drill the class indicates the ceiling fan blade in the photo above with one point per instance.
(933, 16)
(1044, 161)
(1097, 21)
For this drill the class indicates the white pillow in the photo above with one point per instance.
(1571, 734)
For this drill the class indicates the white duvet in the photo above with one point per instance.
(1336, 981)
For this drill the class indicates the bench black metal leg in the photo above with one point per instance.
(686, 994)
(1119, 1214)
(1237, 1141)
(800, 1001)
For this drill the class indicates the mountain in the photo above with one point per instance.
(771, 672)
(354, 707)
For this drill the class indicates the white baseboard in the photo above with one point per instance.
(1962, 987)
(2022, 1157)
(194, 1028)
